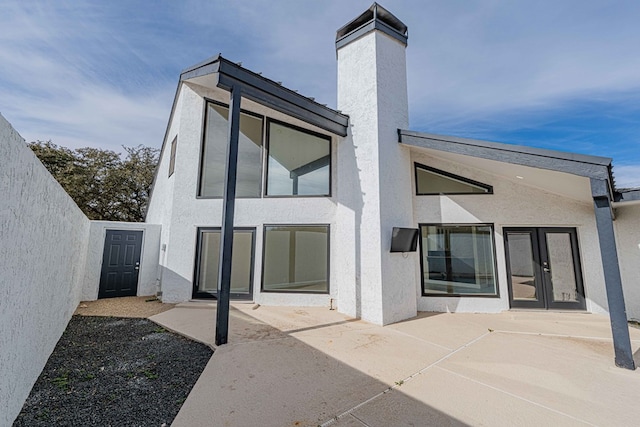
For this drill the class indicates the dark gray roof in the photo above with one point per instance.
(577, 164)
(269, 93)
(374, 18)
(627, 194)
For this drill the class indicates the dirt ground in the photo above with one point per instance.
(136, 307)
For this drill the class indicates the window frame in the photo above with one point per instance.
(172, 156)
(267, 146)
(195, 292)
(203, 136)
(423, 291)
(264, 252)
(445, 174)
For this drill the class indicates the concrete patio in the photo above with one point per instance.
(312, 366)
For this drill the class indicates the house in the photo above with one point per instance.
(321, 193)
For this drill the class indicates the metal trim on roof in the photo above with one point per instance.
(269, 93)
(628, 195)
(576, 164)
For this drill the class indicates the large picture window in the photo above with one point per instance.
(299, 162)
(208, 259)
(458, 260)
(296, 259)
(214, 152)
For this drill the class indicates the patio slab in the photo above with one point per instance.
(312, 366)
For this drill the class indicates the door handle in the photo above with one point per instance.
(546, 270)
(136, 268)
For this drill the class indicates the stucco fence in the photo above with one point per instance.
(50, 260)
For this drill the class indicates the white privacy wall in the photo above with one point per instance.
(148, 273)
(43, 245)
(627, 228)
(513, 204)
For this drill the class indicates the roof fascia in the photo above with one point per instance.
(629, 196)
(576, 164)
(269, 93)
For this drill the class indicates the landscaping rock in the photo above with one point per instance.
(112, 371)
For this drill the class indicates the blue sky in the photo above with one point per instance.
(558, 74)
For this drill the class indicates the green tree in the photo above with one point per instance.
(103, 184)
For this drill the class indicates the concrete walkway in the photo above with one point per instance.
(312, 366)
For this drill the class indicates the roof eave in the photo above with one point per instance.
(576, 164)
(269, 93)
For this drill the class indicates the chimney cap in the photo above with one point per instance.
(376, 17)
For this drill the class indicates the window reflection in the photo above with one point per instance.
(214, 154)
(296, 259)
(458, 259)
(299, 162)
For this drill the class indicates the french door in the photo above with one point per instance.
(543, 266)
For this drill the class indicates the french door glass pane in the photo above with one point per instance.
(562, 268)
(523, 280)
(241, 262)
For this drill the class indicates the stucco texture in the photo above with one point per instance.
(43, 246)
(176, 207)
(148, 273)
(627, 228)
(512, 204)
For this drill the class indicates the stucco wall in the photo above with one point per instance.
(627, 228)
(187, 212)
(372, 90)
(43, 245)
(148, 273)
(161, 199)
(513, 204)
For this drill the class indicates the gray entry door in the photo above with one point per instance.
(120, 264)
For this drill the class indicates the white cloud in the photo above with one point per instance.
(627, 176)
(94, 73)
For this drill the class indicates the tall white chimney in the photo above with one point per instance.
(374, 170)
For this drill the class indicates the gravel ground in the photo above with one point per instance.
(112, 371)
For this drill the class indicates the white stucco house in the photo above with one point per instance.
(321, 192)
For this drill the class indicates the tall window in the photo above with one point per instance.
(457, 260)
(172, 158)
(431, 181)
(296, 259)
(214, 152)
(208, 259)
(299, 162)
